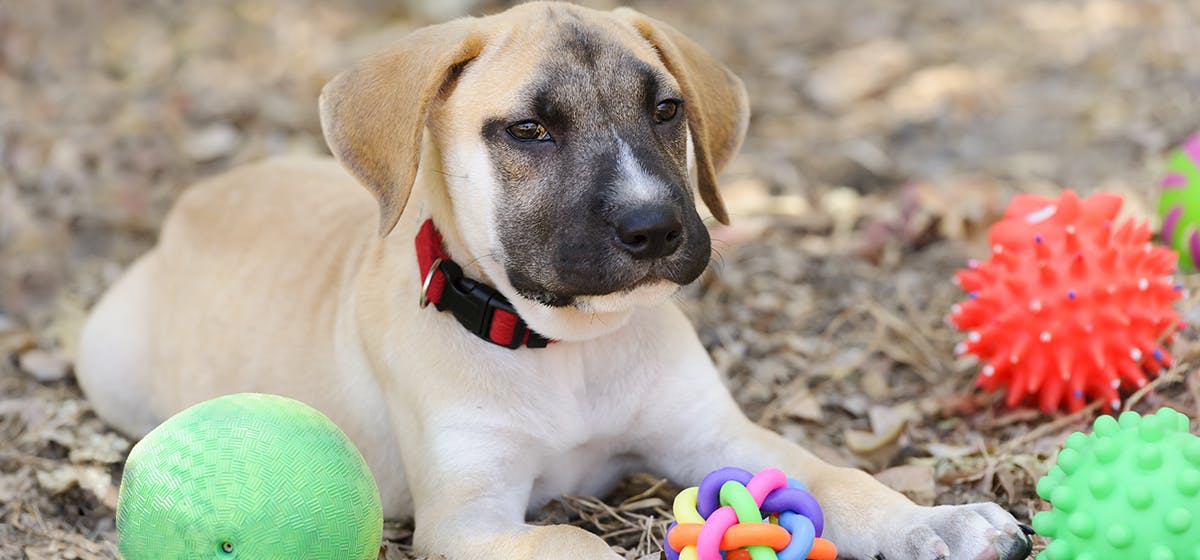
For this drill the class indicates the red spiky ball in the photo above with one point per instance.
(1070, 307)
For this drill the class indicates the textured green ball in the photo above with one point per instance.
(1129, 490)
(1179, 205)
(252, 477)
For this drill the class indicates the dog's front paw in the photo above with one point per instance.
(971, 532)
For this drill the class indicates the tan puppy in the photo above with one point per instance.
(557, 150)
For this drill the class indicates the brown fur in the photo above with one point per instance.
(711, 90)
(374, 114)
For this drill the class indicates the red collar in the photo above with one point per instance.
(478, 307)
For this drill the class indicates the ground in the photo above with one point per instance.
(886, 136)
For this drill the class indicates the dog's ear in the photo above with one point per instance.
(373, 114)
(714, 101)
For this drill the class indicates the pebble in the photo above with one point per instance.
(44, 366)
(7, 324)
(212, 142)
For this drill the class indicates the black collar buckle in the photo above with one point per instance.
(475, 305)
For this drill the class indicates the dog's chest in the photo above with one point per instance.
(590, 409)
(590, 469)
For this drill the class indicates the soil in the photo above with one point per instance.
(886, 137)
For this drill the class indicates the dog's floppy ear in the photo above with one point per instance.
(715, 102)
(373, 115)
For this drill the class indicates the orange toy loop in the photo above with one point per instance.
(822, 549)
(738, 536)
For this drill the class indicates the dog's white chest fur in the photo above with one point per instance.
(571, 411)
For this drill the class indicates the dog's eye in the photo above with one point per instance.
(666, 110)
(529, 131)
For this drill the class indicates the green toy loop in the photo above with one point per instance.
(735, 495)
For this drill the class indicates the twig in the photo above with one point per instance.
(1170, 375)
(1052, 426)
(917, 339)
(652, 490)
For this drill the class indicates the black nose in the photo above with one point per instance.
(650, 232)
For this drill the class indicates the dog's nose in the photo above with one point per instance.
(650, 232)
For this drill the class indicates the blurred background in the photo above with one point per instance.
(885, 137)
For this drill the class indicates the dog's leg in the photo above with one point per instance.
(701, 429)
(863, 517)
(471, 492)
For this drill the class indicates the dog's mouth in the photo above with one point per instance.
(584, 299)
(573, 273)
(549, 299)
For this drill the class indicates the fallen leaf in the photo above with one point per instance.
(13, 486)
(867, 443)
(888, 419)
(93, 479)
(855, 73)
(802, 404)
(875, 383)
(915, 481)
(96, 444)
(946, 451)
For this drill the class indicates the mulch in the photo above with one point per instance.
(886, 137)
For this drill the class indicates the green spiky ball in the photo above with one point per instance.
(1129, 490)
(248, 476)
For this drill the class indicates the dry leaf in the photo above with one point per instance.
(915, 481)
(93, 479)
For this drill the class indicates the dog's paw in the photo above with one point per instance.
(971, 532)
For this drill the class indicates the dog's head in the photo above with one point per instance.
(572, 142)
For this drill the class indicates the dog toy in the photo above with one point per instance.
(1179, 204)
(748, 517)
(1071, 305)
(248, 476)
(1130, 490)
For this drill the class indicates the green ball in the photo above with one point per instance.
(248, 476)
(1179, 205)
(1129, 490)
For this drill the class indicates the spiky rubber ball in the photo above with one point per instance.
(1179, 204)
(1071, 306)
(248, 476)
(1129, 490)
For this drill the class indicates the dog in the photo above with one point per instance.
(492, 324)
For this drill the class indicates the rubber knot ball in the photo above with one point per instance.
(1071, 306)
(736, 515)
(248, 476)
(1129, 490)
(1179, 205)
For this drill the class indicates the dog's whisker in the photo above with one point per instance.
(596, 318)
(443, 172)
(449, 174)
(476, 260)
(716, 260)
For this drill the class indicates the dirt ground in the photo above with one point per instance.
(886, 136)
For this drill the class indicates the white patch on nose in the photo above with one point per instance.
(693, 181)
(636, 184)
